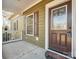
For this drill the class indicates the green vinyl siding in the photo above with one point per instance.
(41, 8)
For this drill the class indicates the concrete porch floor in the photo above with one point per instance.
(22, 50)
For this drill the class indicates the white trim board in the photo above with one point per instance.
(74, 27)
(31, 6)
(49, 5)
(11, 41)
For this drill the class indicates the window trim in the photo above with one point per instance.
(33, 24)
(15, 22)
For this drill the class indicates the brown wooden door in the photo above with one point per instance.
(60, 28)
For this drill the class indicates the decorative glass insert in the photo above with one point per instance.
(59, 18)
(30, 24)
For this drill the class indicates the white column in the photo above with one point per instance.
(73, 28)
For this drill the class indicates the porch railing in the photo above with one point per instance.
(8, 35)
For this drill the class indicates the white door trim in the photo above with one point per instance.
(49, 5)
(74, 28)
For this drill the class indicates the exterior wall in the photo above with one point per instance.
(20, 26)
(41, 8)
(17, 33)
(32, 39)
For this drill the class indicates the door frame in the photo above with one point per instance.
(52, 4)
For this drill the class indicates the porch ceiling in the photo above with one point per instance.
(18, 6)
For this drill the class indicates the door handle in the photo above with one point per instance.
(69, 33)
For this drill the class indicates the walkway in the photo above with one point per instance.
(22, 50)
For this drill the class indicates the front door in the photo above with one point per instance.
(60, 28)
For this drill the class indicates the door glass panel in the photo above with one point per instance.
(59, 19)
